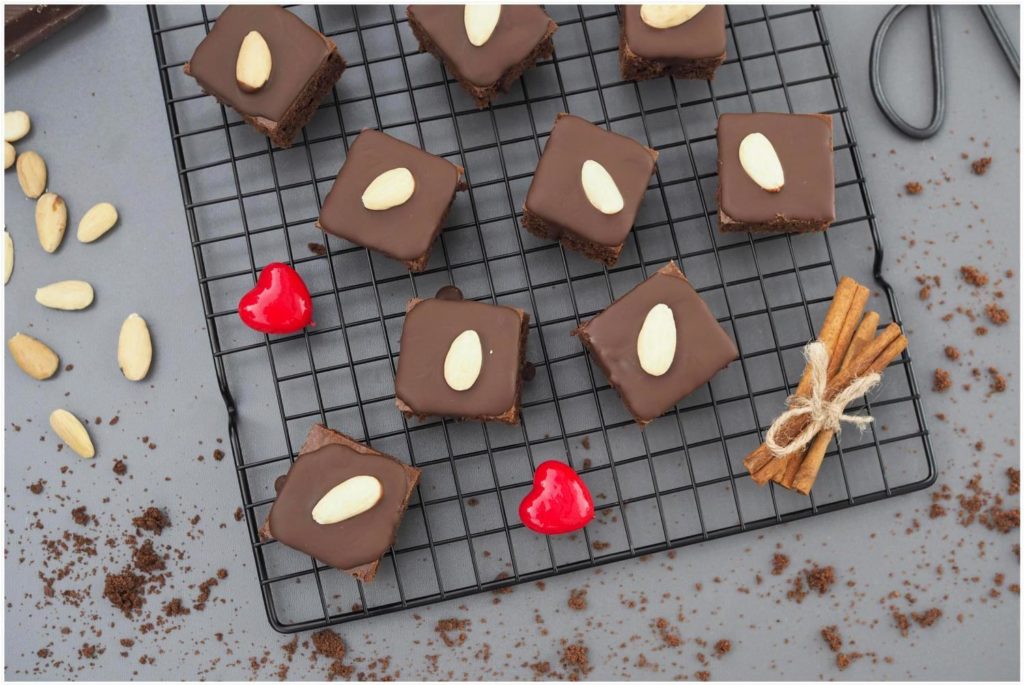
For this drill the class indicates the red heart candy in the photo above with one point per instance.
(279, 303)
(559, 502)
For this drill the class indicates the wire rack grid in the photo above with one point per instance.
(678, 482)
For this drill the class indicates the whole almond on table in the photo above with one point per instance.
(9, 154)
(8, 257)
(66, 295)
(16, 125)
(72, 432)
(134, 348)
(33, 357)
(31, 171)
(51, 220)
(98, 220)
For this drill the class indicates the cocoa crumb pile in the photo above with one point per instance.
(832, 638)
(780, 562)
(153, 520)
(981, 165)
(578, 599)
(452, 631)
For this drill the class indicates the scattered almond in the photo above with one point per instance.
(16, 125)
(51, 220)
(72, 432)
(464, 360)
(600, 188)
(252, 68)
(66, 295)
(390, 189)
(656, 343)
(134, 348)
(9, 155)
(668, 16)
(8, 257)
(480, 21)
(33, 357)
(31, 173)
(98, 220)
(347, 499)
(761, 162)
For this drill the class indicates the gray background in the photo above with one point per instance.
(101, 125)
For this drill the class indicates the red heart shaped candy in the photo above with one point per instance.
(559, 501)
(279, 303)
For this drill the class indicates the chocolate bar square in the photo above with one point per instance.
(702, 348)
(521, 37)
(557, 206)
(691, 50)
(405, 232)
(304, 66)
(430, 328)
(806, 200)
(355, 545)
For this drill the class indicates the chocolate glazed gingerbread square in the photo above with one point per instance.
(702, 347)
(355, 545)
(305, 64)
(558, 205)
(691, 50)
(406, 231)
(521, 37)
(431, 327)
(806, 199)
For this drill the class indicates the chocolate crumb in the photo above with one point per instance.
(779, 564)
(37, 487)
(120, 467)
(317, 249)
(821, 578)
(941, 382)
(997, 314)
(832, 638)
(974, 276)
(218, 454)
(126, 591)
(981, 165)
(153, 520)
(952, 353)
(913, 188)
(452, 631)
(926, 619)
(578, 599)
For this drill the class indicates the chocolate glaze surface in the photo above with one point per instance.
(702, 36)
(347, 544)
(27, 25)
(556, 193)
(429, 329)
(803, 143)
(520, 28)
(296, 53)
(404, 232)
(702, 347)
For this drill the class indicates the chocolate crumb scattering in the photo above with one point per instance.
(1014, 475)
(974, 276)
(452, 631)
(820, 578)
(981, 165)
(996, 314)
(997, 381)
(126, 591)
(120, 468)
(941, 381)
(578, 599)
(780, 562)
(37, 487)
(576, 659)
(927, 619)
(153, 520)
(723, 647)
(952, 353)
(913, 188)
(843, 661)
(832, 638)
(146, 559)
(218, 454)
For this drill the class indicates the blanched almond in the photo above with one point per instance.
(134, 348)
(66, 295)
(9, 155)
(16, 125)
(98, 220)
(656, 343)
(31, 173)
(761, 162)
(464, 360)
(8, 257)
(600, 188)
(252, 68)
(33, 357)
(349, 498)
(668, 16)
(390, 189)
(72, 432)
(480, 21)
(51, 220)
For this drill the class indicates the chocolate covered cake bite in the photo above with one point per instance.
(461, 359)
(587, 188)
(657, 343)
(269, 66)
(485, 47)
(775, 172)
(341, 502)
(682, 41)
(391, 197)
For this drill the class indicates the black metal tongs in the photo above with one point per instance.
(938, 70)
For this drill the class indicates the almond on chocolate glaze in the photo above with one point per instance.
(252, 68)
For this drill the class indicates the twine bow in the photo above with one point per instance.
(823, 414)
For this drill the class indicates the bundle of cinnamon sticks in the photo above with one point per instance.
(855, 349)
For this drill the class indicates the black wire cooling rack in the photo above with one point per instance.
(680, 481)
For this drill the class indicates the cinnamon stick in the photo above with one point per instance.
(810, 462)
(828, 334)
(808, 472)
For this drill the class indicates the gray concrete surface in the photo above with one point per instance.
(100, 123)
